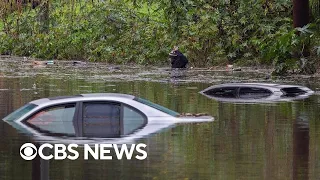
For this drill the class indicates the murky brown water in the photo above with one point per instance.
(246, 141)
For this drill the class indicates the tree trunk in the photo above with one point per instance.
(44, 17)
(300, 13)
(301, 17)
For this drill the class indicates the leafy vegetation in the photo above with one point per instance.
(211, 32)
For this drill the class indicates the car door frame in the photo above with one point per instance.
(78, 118)
(41, 131)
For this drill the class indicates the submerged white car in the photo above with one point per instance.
(120, 117)
(256, 92)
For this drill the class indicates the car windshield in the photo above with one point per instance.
(156, 106)
(20, 112)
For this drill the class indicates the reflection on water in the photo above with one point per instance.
(300, 148)
(246, 141)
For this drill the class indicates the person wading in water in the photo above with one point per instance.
(178, 60)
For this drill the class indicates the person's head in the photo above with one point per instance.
(174, 52)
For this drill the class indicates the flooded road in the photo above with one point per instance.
(246, 141)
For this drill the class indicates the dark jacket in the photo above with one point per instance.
(178, 60)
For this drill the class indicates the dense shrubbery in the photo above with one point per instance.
(98, 32)
(210, 32)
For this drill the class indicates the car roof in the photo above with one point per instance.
(269, 86)
(82, 97)
(262, 85)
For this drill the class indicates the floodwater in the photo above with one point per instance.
(246, 141)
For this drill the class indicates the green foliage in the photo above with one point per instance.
(287, 50)
(98, 32)
(315, 8)
(209, 32)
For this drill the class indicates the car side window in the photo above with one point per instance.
(224, 92)
(101, 119)
(55, 119)
(132, 120)
(253, 93)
